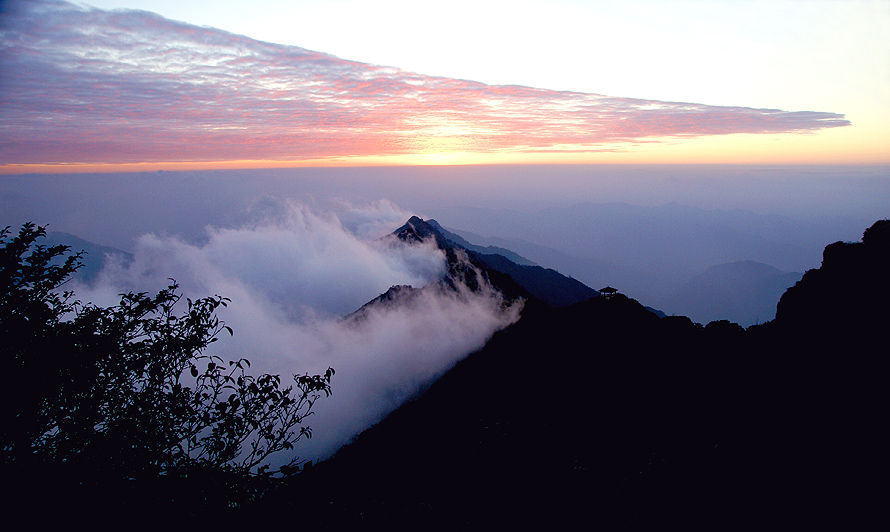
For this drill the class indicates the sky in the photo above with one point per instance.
(224, 84)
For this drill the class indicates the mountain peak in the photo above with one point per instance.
(511, 274)
(418, 230)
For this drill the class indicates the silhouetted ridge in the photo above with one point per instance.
(604, 415)
(578, 414)
(823, 383)
(514, 280)
(484, 250)
(847, 297)
(546, 284)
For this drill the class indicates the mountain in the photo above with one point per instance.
(744, 292)
(590, 271)
(483, 250)
(94, 256)
(662, 247)
(514, 280)
(550, 424)
(848, 292)
(396, 295)
(602, 415)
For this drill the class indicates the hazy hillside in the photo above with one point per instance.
(94, 256)
(590, 271)
(744, 292)
(649, 252)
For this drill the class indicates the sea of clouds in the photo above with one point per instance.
(292, 273)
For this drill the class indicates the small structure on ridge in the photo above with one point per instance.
(608, 292)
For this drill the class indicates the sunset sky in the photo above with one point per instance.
(228, 84)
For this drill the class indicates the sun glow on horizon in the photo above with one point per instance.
(731, 149)
(176, 96)
(130, 102)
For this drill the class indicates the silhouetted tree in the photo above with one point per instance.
(129, 393)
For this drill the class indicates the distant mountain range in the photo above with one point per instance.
(482, 250)
(744, 292)
(648, 252)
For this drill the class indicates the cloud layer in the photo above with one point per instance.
(91, 86)
(292, 277)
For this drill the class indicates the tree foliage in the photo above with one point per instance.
(130, 392)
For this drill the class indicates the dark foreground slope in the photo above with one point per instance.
(596, 412)
(602, 415)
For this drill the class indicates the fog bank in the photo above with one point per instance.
(291, 275)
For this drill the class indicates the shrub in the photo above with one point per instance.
(129, 393)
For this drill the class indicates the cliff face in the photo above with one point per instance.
(847, 297)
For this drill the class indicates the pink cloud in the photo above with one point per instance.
(93, 86)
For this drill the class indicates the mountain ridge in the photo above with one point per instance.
(602, 413)
(515, 280)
